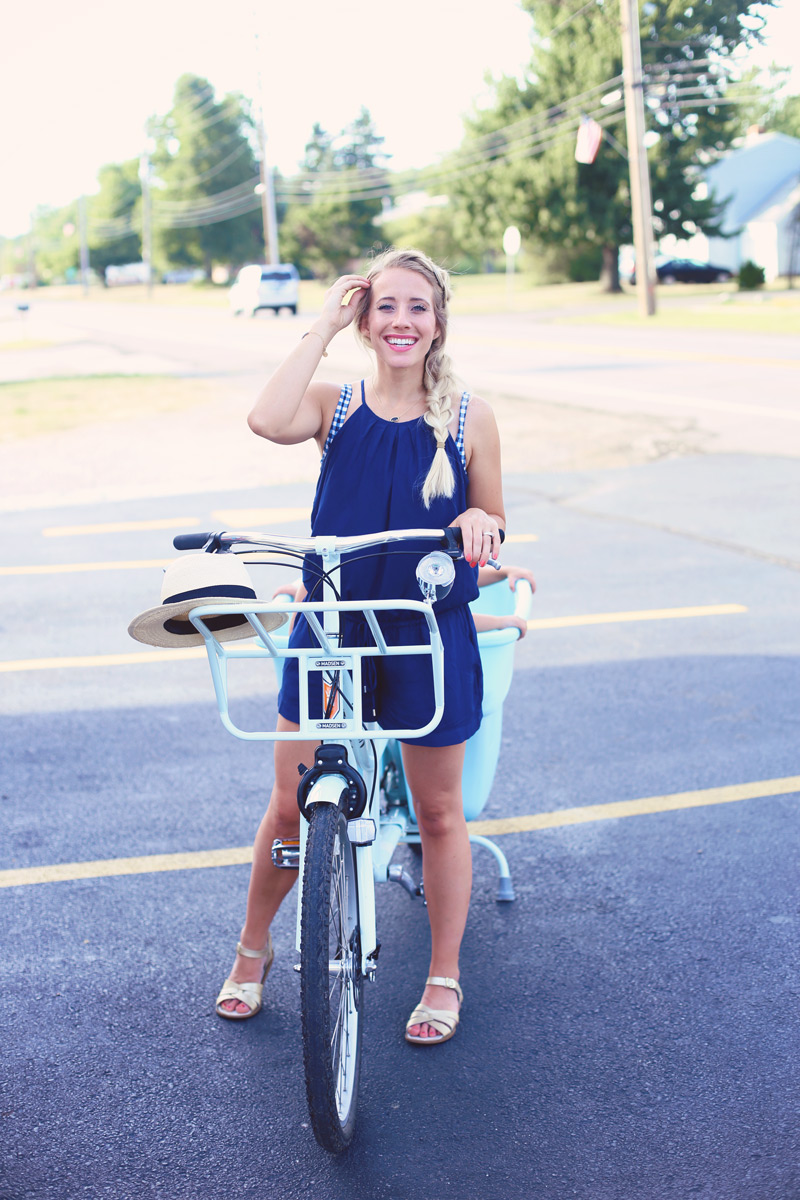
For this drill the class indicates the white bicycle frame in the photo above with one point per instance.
(374, 839)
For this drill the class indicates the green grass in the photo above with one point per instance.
(772, 309)
(50, 405)
(25, 344)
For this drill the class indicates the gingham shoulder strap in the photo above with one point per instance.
(462, 416)
(339, 415)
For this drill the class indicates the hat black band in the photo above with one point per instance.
(231, 591)
(184, 627)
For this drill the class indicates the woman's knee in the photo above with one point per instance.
(441, 816)
(283, 813)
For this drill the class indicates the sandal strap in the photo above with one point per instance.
(440, 1019)
(247, 993)
(265, 953)
(446, 981)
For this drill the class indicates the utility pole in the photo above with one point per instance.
(641, 200)
(267, 193)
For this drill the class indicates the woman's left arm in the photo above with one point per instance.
(485, 514)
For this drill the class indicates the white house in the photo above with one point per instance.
(761, 181)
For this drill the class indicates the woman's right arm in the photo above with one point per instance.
(290, 408)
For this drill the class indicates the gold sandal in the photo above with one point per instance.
(245, 993)
(440, 1019)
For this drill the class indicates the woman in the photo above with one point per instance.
(403, 449)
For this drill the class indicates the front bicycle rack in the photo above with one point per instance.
(329, 657)
(482, 751)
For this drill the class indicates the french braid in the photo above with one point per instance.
(439, 379)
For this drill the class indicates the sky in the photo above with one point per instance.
(78, 80)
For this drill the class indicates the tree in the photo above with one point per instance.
(114, 217)
(55, 242)
(205, 208)
(786, 117)
(333, 203)
(432, 230)
(522, 169)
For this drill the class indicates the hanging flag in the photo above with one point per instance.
(590, 135)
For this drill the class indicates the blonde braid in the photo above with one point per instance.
(440, 384)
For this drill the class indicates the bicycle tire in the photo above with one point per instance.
(331, 982)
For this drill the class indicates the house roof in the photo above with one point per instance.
(781, 203)
(753, 176)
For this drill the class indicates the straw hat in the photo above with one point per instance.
(192, 580)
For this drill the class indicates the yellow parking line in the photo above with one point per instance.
(242, 518)
(636, 808)
(134, 658)
(119, 527)
(238, 855)
(102, 867)
(137, 658)
(259, 518)
(646, 614)
(76, 568)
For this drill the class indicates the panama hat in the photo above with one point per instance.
(192, 580)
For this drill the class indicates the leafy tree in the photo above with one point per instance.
(522, 169)
(786, 117)
(205, 209)
(55, 242)
(114, 219)
(330, 218)
(433, 230)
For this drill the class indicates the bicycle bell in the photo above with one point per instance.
(435, 575)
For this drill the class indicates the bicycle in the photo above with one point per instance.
(354, 800)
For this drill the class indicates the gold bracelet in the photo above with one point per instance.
(321, 338)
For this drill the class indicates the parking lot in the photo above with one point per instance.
(630, 1026)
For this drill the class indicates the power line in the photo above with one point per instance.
(568, 21)
(526, 137)
(212, 171)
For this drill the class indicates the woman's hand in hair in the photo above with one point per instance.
(339, 305)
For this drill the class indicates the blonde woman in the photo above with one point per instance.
(403, 449)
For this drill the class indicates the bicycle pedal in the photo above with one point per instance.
(286, 853)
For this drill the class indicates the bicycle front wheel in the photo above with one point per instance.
(331, 982)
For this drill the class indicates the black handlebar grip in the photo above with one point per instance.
(453, 540)
(191, 541)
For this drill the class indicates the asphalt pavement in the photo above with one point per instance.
(630, 1030)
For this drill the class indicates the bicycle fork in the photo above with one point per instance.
(333, 781)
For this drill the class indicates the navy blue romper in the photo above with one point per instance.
(371, 480)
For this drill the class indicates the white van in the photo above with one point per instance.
(273, 286)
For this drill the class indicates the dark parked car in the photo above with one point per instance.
(688, 270)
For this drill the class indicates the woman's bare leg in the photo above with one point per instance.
(269, 885)
(434, 778)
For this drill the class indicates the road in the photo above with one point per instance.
(630, 1026)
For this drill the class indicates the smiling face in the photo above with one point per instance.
(400, 324)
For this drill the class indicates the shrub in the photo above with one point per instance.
(750, 276)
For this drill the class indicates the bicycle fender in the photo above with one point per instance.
(331, 759)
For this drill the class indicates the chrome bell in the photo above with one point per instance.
(435, 575)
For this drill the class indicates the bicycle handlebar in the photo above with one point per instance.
(449, 539)
(191, 541)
